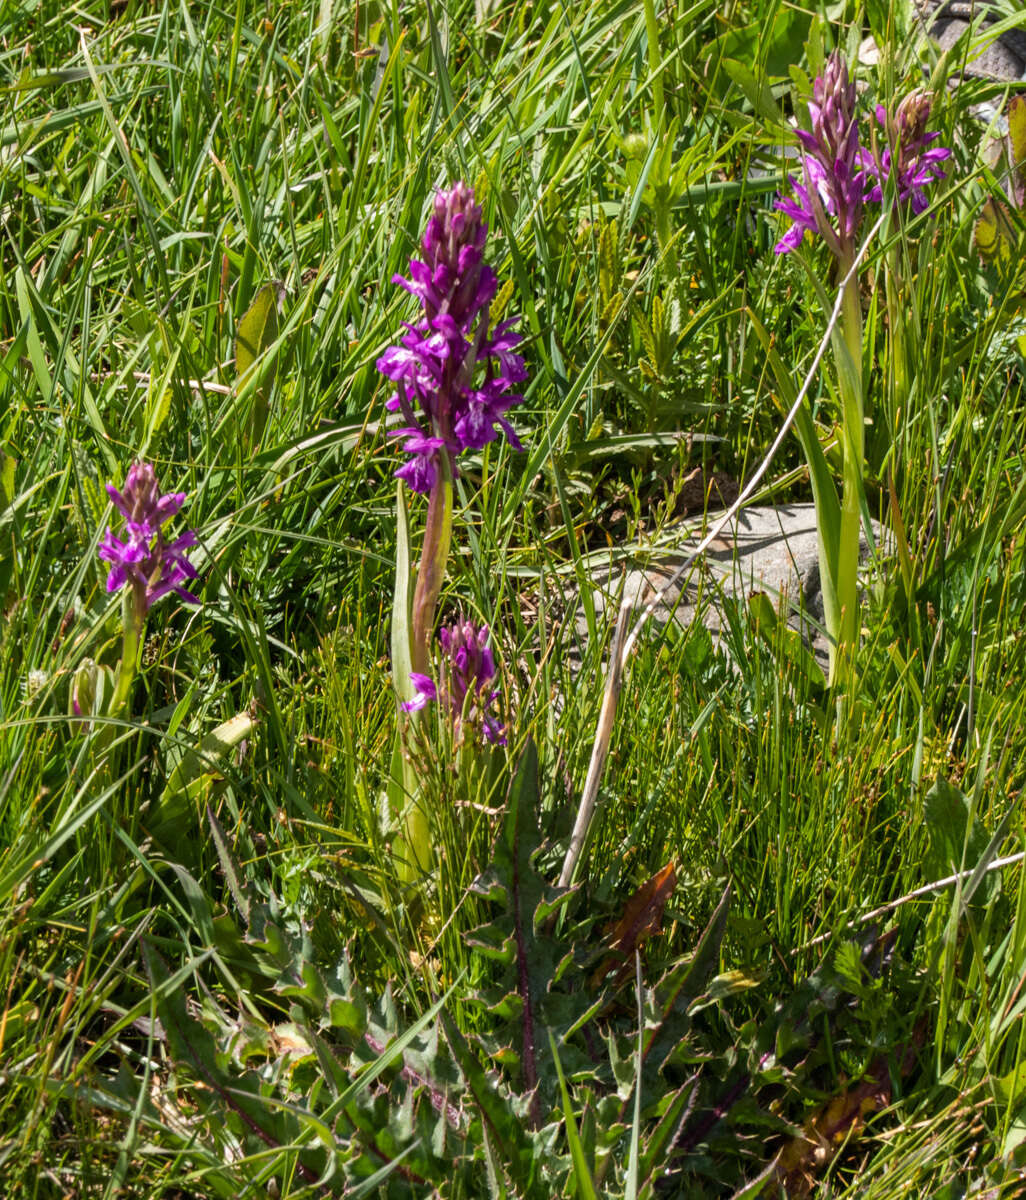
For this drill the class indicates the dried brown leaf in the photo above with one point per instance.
(642, 917)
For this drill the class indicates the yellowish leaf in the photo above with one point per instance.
(994, 233)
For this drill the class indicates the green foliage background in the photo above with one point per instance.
(205, 949)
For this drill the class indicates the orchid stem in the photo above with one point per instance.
(133, 621)
(849, 354)
(414, 851)
(431, 568)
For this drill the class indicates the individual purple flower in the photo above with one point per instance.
(829, 202)
(419, 472)
(143, 559)
(801, 213)
(454, 384)
(426, 691)
(908, 156)
(467, 670)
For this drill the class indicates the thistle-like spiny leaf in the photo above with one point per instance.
(517, 938)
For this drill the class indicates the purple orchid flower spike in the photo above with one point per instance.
(830, 200)
(910, 158)
(438, 359)
(467, 670)
(144, 560)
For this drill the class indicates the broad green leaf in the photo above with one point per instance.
(258, 328)
(757, 91)
(400, 778)
(271, 1122)
(194, 772)
(51, 79)
(392, 1052)
(773, 41)
(505, 1130)
(958, 840)
(520, 937)
(824, 490)
(256, 333)
(229, 866)
(402, 601)
(724, 985)
(994, 233)
(780, 637)
(1017, 147)
(7, 465)
(662, 1135)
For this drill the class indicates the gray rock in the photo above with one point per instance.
(769, 549)
(946, 21)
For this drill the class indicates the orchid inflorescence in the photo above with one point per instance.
(841, 175)
(467, 669)
(908, 157)
(446, 408)
(455, 382)
(149, 564)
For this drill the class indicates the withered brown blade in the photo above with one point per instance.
(826, 1130)
(840, 1119)
(642, 917)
